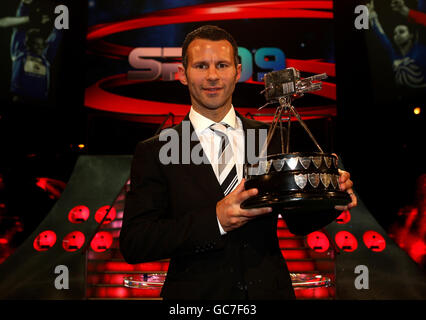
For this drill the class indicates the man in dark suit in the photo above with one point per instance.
(188, 210)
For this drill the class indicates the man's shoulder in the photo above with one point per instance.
(159, 138)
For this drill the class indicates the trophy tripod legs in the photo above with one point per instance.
(286, 108)
(285, 103)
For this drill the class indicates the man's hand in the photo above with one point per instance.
(346, 184)
(229, 212)
(372, 14)
(399, 6)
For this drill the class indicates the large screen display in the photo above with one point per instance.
(396, 43)
(134, 47)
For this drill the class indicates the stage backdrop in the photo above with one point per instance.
(134, 47)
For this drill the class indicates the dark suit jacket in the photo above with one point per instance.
(170, 212)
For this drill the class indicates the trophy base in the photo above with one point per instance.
(295, 182)
(298, 201)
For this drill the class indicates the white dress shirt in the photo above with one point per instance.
(211, 141)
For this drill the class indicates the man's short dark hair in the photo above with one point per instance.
(212, 33)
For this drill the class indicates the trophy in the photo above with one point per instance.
(293, 181)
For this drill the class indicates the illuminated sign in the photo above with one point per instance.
(161, 63)
(150, 69)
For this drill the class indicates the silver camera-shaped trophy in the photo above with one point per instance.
(293, 181)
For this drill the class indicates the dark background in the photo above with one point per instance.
(375, 133)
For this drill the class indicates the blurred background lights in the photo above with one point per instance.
(346, 241)
(73, 241)
(45, 240)
(417, 110)
(102, 211)
(101, 241)
(318, 241)
(344, 217)
(374, 241)
(78, 214)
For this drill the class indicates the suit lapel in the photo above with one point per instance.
(201, 174)
(253, 140)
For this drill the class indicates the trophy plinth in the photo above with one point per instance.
(299, 181)
(293, 181)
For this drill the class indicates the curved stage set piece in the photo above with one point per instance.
(74, 254)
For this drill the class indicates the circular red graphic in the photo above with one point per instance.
(102, 241)
(344, 217)
(73, 241)
(78, 214)
(318, 241)
(102, 211)
(346, 241)
(374, 241)
(45, 240)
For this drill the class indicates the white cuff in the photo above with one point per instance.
(222, 232)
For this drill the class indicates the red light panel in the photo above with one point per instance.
(102, 241)
(284, 233)
(300, 266)
(314, 293)
(125, 267)
(73, 241)
(374, 241)
(78, 214)
(344, 217)
(102, 211)
(318, 241)
(122, 292)
(346, 241)
(45, 240)
(294, 254)
(281, 223)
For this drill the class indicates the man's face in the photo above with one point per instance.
(211, 74)
(37, 46)
(401, 35)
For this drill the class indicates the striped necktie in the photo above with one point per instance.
(227, 170)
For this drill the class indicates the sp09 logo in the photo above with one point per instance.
(149, 69)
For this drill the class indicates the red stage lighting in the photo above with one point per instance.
(78, 214)
(374, 241)
(102, 211)
(101, 241)
(73, 241)
(318, 241)
(346, 241)
(45, 240)
(344, 217)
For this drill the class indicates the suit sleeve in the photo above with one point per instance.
(150, 231)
